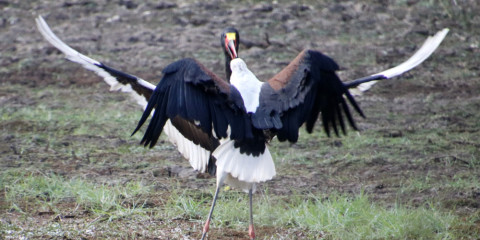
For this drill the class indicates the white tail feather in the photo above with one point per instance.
(244, 168)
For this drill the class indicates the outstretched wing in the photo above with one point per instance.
(303, 89)
(191, 141)
(189, 92)
(428, 47)
(138, 88)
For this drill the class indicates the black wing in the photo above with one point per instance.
(188, 92)
(192, 142)
(303, 89)
(139, 86)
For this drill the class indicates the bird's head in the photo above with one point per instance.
(230, 40)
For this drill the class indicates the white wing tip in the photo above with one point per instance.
(425, 51)
(443, 32)
(89, 63)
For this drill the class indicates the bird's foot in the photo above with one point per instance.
(205, 229)
(251, 232)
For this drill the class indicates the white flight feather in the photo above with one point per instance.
(428, 47)
(197, 156)
(88, 63)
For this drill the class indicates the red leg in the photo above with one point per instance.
(251, 229)
(207, 224)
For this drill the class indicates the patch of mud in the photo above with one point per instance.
(142, 38)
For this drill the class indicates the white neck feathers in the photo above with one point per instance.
(246, 83)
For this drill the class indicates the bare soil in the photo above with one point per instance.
(434, 104)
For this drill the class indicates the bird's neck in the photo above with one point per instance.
(247, 84)
(228, 70)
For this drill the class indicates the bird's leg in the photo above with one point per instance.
(207, 224)
(251, 230)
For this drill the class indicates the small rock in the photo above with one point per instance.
(165, 5)
(299, 7)
(128, 4)
(263, 8)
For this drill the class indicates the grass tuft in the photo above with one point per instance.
(334, 217)
(49, 190)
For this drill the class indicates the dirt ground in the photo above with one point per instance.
(439, 99)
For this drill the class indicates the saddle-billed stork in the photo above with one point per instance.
(222, 127)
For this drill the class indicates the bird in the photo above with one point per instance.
(223, 126)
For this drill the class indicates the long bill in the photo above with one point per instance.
(231, 49)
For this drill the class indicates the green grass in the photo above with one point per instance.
(50, 190)
(52, 141)
(29, 195)
(341, 217)
(338, 217)
(333, 216)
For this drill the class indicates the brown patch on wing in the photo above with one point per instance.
(142, 90)
(195, 134)
(282, 78)
(223, 85)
